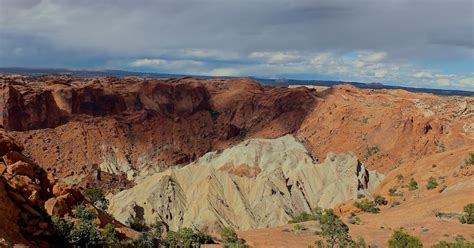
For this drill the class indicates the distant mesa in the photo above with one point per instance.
(375, 85)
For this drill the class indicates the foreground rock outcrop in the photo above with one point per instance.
(30, 196)
(257, 183)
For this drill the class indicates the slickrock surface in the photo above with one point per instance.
(257, 183)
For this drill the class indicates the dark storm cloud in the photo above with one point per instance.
(139, 26)
(416, 31)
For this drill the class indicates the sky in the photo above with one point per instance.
(417, 43)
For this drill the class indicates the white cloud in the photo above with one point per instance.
(380, 73)
(467, 82)
(423, 74)
(276, 57)
(442, 81)
(362, 66)
(204, 54)
(222, 72)
(372, 57)
(148, 62)
(324, 59)
(165, 63)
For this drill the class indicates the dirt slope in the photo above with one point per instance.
(397, 126)
(416, 212)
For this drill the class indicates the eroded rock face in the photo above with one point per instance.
(130, 125)
(127, 126)
(257, 183)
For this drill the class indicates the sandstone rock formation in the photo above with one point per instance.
(128, 125)
(117, 133)
(29, 196)
(387, 128)
(257, 183)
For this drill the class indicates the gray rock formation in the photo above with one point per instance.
(257, 183)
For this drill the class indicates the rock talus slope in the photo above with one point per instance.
(257, 183)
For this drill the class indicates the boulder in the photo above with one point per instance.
(346, 208)
(7, 143)
(62, 190)
(69, 199)
(56, 206)
(14, 156)
(21, 168)
(23, 184)
(3, 168)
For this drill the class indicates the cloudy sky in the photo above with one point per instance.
(421, 43)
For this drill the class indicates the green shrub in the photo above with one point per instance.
(392, 192)
(108, 235)
(360, 196)
(400, 177)
(401, 239)
(304, 216)
(97, 198)
(150, 237)
(230, 239)
(468, 217)
(136, 223)
(62, 227)
(299, 228)
(93, 194)
(183, 237)
(235, 245)
(84, 234)
(355, 220)
(380, 200)
(412, 185)
(367, 206)
(204, 238)
(228, 235)
(371, 151)
(334, 230)
(460, 242)
(432, 183)
(145, 240)
(85, 213)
